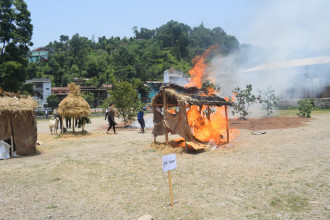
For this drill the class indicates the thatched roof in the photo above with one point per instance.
(190, 96)
(74, 106)
(16, 104)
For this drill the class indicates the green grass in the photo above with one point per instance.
(292, 111)
(290, 202)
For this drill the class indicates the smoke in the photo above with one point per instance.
(279, 32)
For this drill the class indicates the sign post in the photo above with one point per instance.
(169, 163)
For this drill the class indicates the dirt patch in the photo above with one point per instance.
(269, 123)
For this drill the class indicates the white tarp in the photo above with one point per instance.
(4, 150)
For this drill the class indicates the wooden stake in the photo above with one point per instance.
(62, 125)
(73, 125)
(227, 128)
(12, 146)
(171, 190)
(165, 109)
(82, 124)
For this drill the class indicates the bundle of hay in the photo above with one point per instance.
(15, 103)
(74, 105)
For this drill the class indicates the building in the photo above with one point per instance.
(175, 76)
(300, 78)
(154, 87)
(42, 88)
(38, 54)
(100, 94)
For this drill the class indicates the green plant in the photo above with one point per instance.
(305, 108)
(269, 100)
(125, 98)
(244, 99)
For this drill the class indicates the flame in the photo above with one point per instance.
(208, 124)
(197, 73)
(212, 130)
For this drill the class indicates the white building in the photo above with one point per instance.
(42, 88)
(175, 76)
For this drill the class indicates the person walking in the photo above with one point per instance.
(141, 119)
(110, 115)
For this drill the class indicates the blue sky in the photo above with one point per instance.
(276, 23)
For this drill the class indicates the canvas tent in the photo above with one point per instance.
(74, 105)
(18, 121)
(180, 97)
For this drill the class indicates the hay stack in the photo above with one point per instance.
(74, 106)
(16, 104)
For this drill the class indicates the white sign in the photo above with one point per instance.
(169, 162)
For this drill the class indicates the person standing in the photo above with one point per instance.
(141, 119)
(110, 115)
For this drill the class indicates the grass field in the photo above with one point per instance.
(283, 174)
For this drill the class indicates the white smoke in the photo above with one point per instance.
(279, 31)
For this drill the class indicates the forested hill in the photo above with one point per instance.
(142, 57)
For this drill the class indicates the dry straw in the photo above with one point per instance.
(15, 103)
(74, 106)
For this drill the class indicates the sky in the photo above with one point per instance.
(275, 23)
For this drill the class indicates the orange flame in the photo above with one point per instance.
(213, 130)
(197, 73)
(207, 124)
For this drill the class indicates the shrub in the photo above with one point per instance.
(244, 99)
(305, 107)
(269, 100)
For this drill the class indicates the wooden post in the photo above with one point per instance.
(227, 128)
(171, 190)
(165, 109)
(73, 125)
(208, 112)
(12, 146)
(61, 124)
(82, 125)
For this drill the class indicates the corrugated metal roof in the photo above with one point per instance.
(290, 63)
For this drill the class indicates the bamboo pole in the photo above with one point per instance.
(12, 146)
(170, 184)
(73, 125)
(227, 128)
(82, 125)
(165, 109)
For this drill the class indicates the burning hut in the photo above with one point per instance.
(18, 122)
(74, 106)
(191, 113)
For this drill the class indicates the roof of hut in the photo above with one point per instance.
(15, 103)
(189, 95)
(74, 106)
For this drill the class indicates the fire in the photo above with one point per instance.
(209, 124)
(212, 130)
(197, 73)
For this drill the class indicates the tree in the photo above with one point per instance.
(125, 98)
(269, 100)
(15, 37)
(89, 97)
(53, 101)
(244, 99)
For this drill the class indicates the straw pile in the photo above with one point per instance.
(15, 104)
(74, 106)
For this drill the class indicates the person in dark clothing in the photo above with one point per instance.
(111, 119)
(141, 119)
